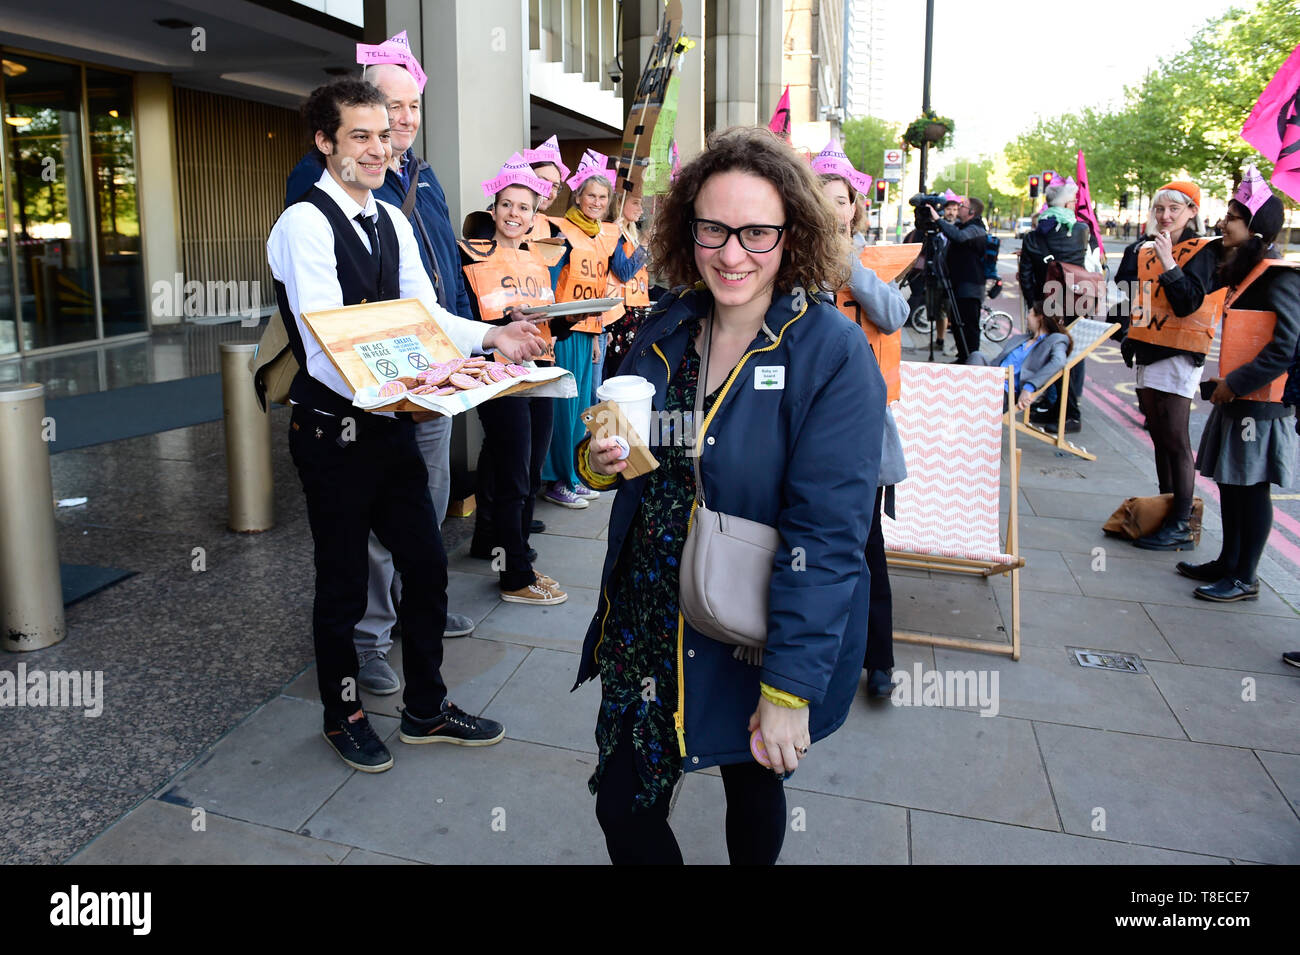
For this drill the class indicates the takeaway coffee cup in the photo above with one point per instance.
(633, 394)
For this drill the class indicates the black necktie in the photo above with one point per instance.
(372, 233)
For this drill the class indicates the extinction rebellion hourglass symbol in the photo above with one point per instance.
(418, 361)
(386, 368)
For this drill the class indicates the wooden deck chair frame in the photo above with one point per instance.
(1063, 376)
(959, 565)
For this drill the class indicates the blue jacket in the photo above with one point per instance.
(432, 219)
(803, 458)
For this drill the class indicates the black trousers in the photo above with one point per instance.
(376, 482)
(1167, 417)
(516, 437)
(756, 814)
(1247, 520)
(967, 330)
(880, 616)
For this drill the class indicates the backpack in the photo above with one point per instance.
(992, 245)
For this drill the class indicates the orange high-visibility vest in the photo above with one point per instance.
(587, 274)
(1158, 324)
(1246, 331)
(636, 290)
(888, 348)
(500, 278)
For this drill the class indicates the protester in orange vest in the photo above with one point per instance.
(582, 273)
(1171, 327)
(546, 164)
(504, 275)
(880, 310)
(1249, 441)
(636, 290)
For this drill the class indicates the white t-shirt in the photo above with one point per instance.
(1175, 375)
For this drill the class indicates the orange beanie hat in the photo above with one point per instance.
(1190, 189)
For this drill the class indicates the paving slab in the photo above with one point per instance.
(573, 561)
(1043, 570)
(1255, 642)
(474, 595)
(934, 758)
(953, 840)
(159, 833)
(820, 829)
(1285, 770)
(473, 668)
(1152, 579)
(514, 802)
(1073, 503)
(274, 769)
(535, 704)
(1210, 799)
(1209, 703)
(1047, 684)
(572, 522)
(560, 627)
(1096, 623)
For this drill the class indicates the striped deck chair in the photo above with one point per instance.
(951, 422)
(1085, 335)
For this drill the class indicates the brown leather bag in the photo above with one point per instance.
(1140, 516)
(1071, 291)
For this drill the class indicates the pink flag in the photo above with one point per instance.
(1274, 125)
(1083, 209)
(780, 123)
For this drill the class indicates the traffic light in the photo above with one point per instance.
(1123, 200)
(1048, 176)
(1033, 187)
(881, 186)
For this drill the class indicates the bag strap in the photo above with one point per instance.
(697, 422)
(413, 177)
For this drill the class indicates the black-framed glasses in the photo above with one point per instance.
(710, 234)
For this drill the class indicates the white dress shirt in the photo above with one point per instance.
(300, 250)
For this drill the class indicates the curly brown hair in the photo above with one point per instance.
(859, 210)
(815, 255)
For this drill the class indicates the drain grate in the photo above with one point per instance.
(1108, 660)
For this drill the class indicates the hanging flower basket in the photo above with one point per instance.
(929, 129)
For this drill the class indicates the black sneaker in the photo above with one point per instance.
(452, 725)
(1072, 426)
(357, 744)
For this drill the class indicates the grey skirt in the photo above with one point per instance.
(1228, 458)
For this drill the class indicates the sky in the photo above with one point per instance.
(996, 71)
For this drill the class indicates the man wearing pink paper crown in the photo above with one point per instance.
(391, 68)
(506, 275)
(880, 310)
(361, 472)
(592, 253)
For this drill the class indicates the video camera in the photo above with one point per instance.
(923, 221)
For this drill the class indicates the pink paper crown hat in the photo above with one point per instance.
(950, 196)
(396, 49)
(516, 172)
(831, 161)
(1253, 191)
(548, 151)
(591, 164)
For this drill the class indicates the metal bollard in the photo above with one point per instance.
(248, 443)
(31, 593)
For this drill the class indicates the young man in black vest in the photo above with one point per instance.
(340, 246)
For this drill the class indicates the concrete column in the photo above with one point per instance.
(159, 192)
(770, 84)
(732, 93)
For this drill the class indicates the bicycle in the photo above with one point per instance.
(995, 325)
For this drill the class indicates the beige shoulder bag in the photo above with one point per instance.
(727, 561)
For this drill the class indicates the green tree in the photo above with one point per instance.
(975, 177)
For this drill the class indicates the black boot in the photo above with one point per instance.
(1206, 573)
(1173, 535)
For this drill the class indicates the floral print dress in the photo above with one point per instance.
(638, 654)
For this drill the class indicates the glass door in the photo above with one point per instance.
(47, 200)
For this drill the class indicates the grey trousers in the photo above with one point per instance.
(374, 632)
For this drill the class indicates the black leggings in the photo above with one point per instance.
(755, 813)
(1247, 520)
(1166, 416)
(880, 615)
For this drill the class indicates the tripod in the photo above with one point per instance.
(938, 290)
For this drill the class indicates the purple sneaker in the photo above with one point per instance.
(586, 493)
(561, 495)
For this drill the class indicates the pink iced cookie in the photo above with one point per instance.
(517, 371)
(435, 374)
(465, 382)
(390, 389)
(443, 392)
(497, 372)
(757, 749)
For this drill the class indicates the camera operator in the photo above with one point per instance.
(966, 242)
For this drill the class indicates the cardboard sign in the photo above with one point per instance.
(605, 420)
(394, 357)
(890, 261)
(1245, 333)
